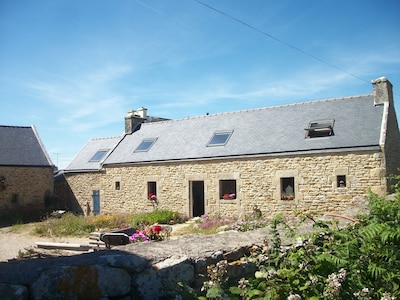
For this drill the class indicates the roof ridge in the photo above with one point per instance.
(107, 137)
(262, 108)
(16, 126)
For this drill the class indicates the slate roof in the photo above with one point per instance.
(83, 161)
(274, 130)
(21, 146)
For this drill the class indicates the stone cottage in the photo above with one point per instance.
(312, 156)
(26, 170)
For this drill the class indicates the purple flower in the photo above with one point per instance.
(139, 236)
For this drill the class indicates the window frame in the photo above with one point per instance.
(117, 185)
(98, 153)
(285, 182)
(150, 142)
(225, 189)
(320, 128)
(340, 178)
(152, 188)
(228, 134)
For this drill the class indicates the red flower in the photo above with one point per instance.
(157, 229)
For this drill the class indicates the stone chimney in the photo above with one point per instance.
(132, 122)
(382, 91)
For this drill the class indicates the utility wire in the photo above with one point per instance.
(280, 41)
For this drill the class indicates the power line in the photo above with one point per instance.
(280, 41)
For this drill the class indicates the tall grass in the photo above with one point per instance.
(78, 225)
(157, 216)
(68, 225)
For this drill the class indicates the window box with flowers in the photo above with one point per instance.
(229, 196)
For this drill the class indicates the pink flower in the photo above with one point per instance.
(152, 196)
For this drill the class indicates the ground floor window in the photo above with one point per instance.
(14, 198)
(117, 185)
(341, 180)
(152, 190)
(227, 189)
(287, 188)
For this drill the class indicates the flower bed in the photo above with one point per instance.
(151, 233)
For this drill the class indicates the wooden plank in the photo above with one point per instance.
(63, 246)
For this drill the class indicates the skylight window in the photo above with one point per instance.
(220, 138)
(145, 145)
(320, 129)
(99, 155)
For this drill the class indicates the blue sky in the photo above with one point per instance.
(74, 68)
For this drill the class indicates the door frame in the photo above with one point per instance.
(96, 202)
(197, 198)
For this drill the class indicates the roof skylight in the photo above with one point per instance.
(145, 145)
(320, 129)
(220, 138)
(99, 155)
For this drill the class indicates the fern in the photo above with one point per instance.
(332, 259)
(376, 271)
(371, 231)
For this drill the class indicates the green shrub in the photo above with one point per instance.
(156, 216)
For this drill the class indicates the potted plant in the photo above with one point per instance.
(229, 196)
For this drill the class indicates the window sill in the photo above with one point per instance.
(228, 201)
(287, 198)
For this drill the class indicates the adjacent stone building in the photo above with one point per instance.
(26, 171)
(312, 156)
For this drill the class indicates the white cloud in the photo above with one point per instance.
(88, 101)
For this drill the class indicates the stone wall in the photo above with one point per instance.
(82, 186)
(135, 271)
(25, 186)
(258, 183)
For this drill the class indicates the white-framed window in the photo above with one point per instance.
(99, 155)
(145, 145)
(220, 138)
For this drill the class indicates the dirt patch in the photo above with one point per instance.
(15, 241)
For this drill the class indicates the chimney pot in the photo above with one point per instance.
(142, 112)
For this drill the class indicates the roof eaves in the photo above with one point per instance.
(82, 171)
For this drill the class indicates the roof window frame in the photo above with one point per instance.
(320, 128)
(95, 157)
(219, 133)
(149, 141)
